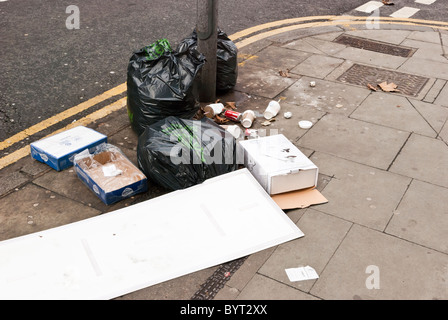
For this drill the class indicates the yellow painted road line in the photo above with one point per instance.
(62, 116)
(25, 151)
(332, 21)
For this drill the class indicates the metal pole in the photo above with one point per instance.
(206, 27)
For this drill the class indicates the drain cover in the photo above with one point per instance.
(375, 46)
(408, 84)
(217, 280)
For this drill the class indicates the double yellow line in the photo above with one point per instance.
(241, 39)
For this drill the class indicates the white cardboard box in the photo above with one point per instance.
(59, 150)
(278, 165)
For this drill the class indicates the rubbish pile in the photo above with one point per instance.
(180, 143)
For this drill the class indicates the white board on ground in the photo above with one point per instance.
(145, 244)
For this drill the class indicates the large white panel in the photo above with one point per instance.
(145, 244)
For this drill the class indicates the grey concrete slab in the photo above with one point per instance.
(435, 115)
(277, 58)
(330, 36)
(435, 90)
(250, 267)
(181, 288)
(425, 67)
(424, 159)
(421, 216)
(11, 181)
(426, 50)
(326, 96)
(317, 66)
(442, 98)
(355, 140)
(263, 288)
(126, 138)
(376, 59)
(393, 111)
(360, 193)
(32, 209)
(427, 36)
(316, 46)
(323, 235)
(444, 133)
(403, 270)
(67, 184)
(396, 37)
(264, 82)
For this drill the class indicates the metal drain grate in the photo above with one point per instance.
(217, 280)
(408, 84)
(375, 46)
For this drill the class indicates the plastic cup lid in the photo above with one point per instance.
(305, 124)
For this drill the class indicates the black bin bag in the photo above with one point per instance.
(178, 153)
(161, 83)
(227, 59)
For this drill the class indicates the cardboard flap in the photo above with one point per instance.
(299, 198)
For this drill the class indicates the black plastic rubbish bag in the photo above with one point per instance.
(178, 153)
(161, 83)
(227, 59)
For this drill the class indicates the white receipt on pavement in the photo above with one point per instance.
(301, 273)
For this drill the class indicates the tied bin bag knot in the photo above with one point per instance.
(161, 83)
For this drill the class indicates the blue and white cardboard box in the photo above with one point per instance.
(58, 150)
(109, 174)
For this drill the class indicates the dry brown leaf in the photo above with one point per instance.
(221, 120)
(388, 3)
(371, 87)
(388, 87)
(284, 73)
(231, 105)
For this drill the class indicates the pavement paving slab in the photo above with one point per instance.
(323, 234)
(422, 219)
(360, 193)
(370, 265)
(355, 140)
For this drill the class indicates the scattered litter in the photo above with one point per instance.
(339, 105)
(247, 118)
(251, 133)
(388, 87)
(234, 130)
(232, 115)
(272, 109)
(371, 87)
(305, 124)
(287, 115)
(301, 273)
(231, 105)
(213, 109)
(312, 83)
(267, 122)
(387, 3)
(35, 205)
(221, 120)
(284, 74)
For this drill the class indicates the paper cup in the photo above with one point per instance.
(247, 118)
(213, 109)
(272, 110)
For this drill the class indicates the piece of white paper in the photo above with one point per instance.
(111, 171)
(301, 273)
